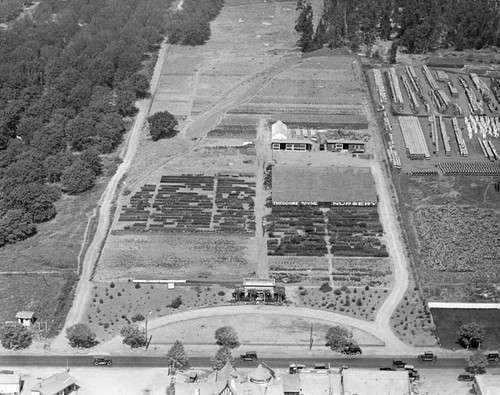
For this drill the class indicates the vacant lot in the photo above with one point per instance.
(448, 321)
(254, 329)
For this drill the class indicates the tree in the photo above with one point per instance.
(15, 336)
(393, 52)
(15, 225)
(177, 357)
(226, 336)
(77, 178)
(338, 337)
(38, 201)
(162, 124)
(221, 357)
(471, 334)
(93, 160)
(477, 363)
(133, 336)
(304, 26)
(80, 335)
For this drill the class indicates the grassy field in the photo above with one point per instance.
(448, 321)
(114, 304)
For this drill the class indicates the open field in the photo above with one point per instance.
(174, 255)
(41, 293)
(114, 304)
(448, 321)
(254, 329)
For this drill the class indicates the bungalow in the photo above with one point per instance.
(26, 318)
(58, 384)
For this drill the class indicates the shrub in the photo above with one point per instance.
(176, 302)
(137, 317)
(337, 292)
(137, 285)
(221, 293)
(112, 285)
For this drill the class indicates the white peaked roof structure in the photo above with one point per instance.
(279, 131)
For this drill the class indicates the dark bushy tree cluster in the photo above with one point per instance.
(191, 24)
(66, 82)
(161, 125)
(418, 25)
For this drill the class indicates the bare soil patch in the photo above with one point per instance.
(253, 329)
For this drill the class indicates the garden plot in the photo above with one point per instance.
(215, 85)
(173, 255)
(355, 231)
(303, 270)
(116, 304)
(374, 272)
(174, 84)
(296, 231)
(361, 303)
(460, 241)
(412, 321)
(193, 203)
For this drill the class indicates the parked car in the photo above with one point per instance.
(427, 356)
(412, 372)
(295, 368)
(249, 356)
(320, 366)
(103, 361)
(352, 349)
(388, 368)
(493, 356)
(465, 377)
(398, 364)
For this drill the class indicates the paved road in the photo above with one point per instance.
(145, 361)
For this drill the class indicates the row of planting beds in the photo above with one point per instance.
(355, 232)
(296, 231)
(235, 205)
(188, 202)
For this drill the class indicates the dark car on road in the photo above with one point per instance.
(398, 364)
(352, 350)
(465, 377)
(427, 356)
(103, 361)
(249, 356)
(493, 356)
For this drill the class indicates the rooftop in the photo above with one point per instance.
(25, 315)
(489, 384)
(54, 384)
(365, 381)
(323, 184)
(9, 378)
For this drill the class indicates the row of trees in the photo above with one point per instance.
(68, 77)
(191, 24)
(417, 25)
(16, 336)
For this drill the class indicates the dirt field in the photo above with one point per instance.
(252, 330)
(176, 255)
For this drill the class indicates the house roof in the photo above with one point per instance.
(9, 378)
(260, 374)
(291, 382)
(54, 384)
(259, 282)
(322, 184)
(341, 141)
(488, 384)
(224, 374)
(25, 315)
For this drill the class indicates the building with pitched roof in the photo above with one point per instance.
(58, 384)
